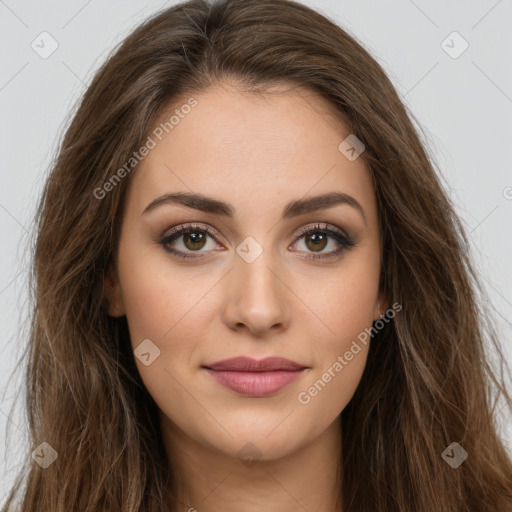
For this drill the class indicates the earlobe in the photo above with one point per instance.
(377, 314)
(381, 306)
(113, 293)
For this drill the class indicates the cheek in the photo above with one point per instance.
(167, 307)
(340, 354)
(342, 300)
(346, 311)
(158, 298)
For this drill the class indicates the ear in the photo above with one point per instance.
(113, 293)
(381, 305)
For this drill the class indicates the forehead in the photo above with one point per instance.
(268, 147)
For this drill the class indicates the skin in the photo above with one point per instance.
(256, 152)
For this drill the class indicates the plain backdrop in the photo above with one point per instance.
(461, 97)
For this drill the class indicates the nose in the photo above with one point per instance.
(256, 297)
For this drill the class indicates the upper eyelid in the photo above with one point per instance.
(326, 226)
(181, 229)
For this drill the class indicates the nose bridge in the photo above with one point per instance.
(256, 277)
(257, 294)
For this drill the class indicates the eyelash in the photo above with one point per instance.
(342, 238)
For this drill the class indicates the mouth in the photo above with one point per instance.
(252, 378)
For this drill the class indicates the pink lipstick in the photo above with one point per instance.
(253, 378)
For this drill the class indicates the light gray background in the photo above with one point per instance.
(464, 104)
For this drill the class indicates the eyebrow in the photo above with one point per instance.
(292, 209)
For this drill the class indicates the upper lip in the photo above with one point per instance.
(247, 364)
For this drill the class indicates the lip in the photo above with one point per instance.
(253, 378)
(248, 364)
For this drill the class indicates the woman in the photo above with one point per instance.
(250, 290)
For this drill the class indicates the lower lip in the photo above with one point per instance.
(255, 384)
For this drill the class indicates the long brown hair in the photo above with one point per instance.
(428, 380)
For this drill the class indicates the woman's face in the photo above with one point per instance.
(255, 286)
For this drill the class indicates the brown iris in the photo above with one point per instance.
(194, 240)
(318, 241)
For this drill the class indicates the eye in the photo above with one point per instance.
(191, 238)
(186, 239)
(316, 239)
